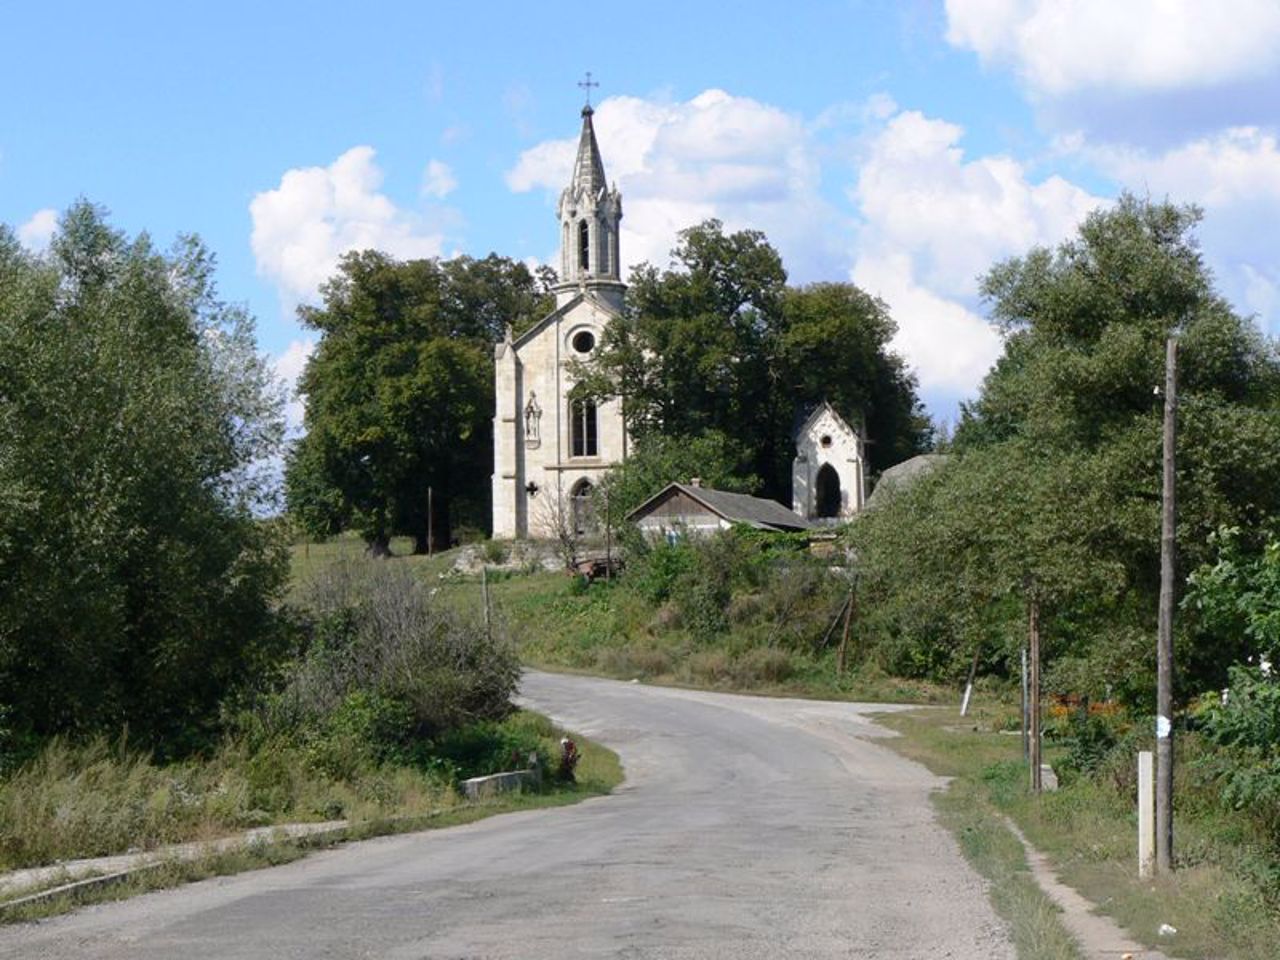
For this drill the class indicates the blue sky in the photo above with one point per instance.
(905, 146)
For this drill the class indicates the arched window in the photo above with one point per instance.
(584, 246)
(827, 492)
(583, 428)
(580, 503)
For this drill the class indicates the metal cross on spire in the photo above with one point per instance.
(586, 85)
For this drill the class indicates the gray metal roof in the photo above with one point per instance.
(903, 475)
(734, 507)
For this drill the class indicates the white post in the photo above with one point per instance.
(1146, 813)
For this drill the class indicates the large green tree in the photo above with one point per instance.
(399, 393)
(1055, 486)
(718, 343)
(136, 423)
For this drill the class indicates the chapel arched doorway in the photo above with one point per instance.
(827, 492)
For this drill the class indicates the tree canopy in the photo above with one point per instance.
(1053, 491)
(718, 343)
(136, 423)
(399, 393)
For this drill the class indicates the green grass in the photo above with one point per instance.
(307, 558)
(599, 771)
(1088, 830)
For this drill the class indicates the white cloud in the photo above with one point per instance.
(932, 223)
(1058, 47)
(316, 214)
(36, 233)
(677, 163)
(288, 367)
(438, 180)
(1234, 176)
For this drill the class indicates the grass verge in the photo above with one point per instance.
(599, 771)
(1089, 832)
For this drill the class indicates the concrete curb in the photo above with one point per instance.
(1099, 937)
(85, 875)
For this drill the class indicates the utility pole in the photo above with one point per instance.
(1033, 630)
(431, 533)
(608, 539)
(842, 658)
(1164, 640)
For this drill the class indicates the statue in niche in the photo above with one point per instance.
(532, 422)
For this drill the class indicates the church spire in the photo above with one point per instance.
(590, 213)
(588, 168)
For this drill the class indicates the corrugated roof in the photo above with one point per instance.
(903, 475)
(734, 507)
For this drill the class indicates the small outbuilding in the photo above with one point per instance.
(693, 508)
(828, 474)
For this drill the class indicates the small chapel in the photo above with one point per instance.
(551, 443)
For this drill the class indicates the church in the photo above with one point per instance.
(552, 445)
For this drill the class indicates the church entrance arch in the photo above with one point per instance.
(582, 513)
(827, 492)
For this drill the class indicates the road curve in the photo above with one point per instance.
(747, 828)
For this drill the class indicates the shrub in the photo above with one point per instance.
(762, 665)
(711, 665)
(744, 608)
(631, 661)
(487, 747)
(495, 551)
(383, 651)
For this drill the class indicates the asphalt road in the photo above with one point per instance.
(748, 828)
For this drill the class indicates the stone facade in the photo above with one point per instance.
(828, 477)
(550, 445)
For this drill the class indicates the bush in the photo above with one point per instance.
(762, 665)
(487, 747)
(631, 661)
(494, 551)
(383, 651)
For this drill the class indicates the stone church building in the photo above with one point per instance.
(551, 446)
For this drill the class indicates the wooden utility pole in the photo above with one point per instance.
(842, 658)
(484, 592)
(1033, 695)
(431, 533)
(1164, 641)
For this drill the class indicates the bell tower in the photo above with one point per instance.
(590, 213)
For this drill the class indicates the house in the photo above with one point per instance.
(693, 508)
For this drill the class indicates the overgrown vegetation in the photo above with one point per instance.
(1051, 495)
(156, 683)
(741, 610)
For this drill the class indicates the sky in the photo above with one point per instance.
(905, 146)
